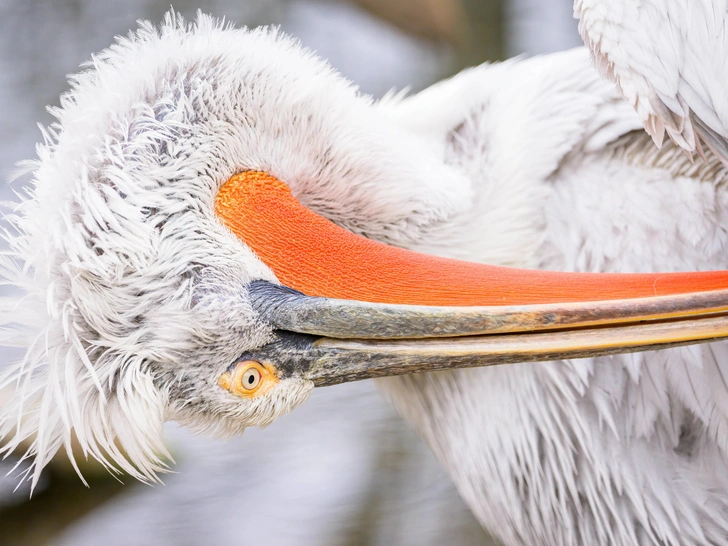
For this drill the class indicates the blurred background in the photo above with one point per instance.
(342, 469)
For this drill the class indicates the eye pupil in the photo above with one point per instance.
(251, 378)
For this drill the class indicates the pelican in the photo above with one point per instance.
(218, 223)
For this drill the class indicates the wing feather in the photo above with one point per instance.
(669, 60)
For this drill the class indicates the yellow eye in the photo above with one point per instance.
(249, 379)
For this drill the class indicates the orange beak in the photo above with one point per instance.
(359, 288)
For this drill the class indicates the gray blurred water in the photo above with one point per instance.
(342, 469)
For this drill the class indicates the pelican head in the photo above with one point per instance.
(132, 297)
(150, 263)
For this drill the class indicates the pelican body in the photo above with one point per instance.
(151, 287)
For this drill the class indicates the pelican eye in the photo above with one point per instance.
(249, 378)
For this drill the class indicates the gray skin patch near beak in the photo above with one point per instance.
(330, 341)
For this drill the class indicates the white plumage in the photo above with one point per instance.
(621, 450)
(132, 305)
(669, 61)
